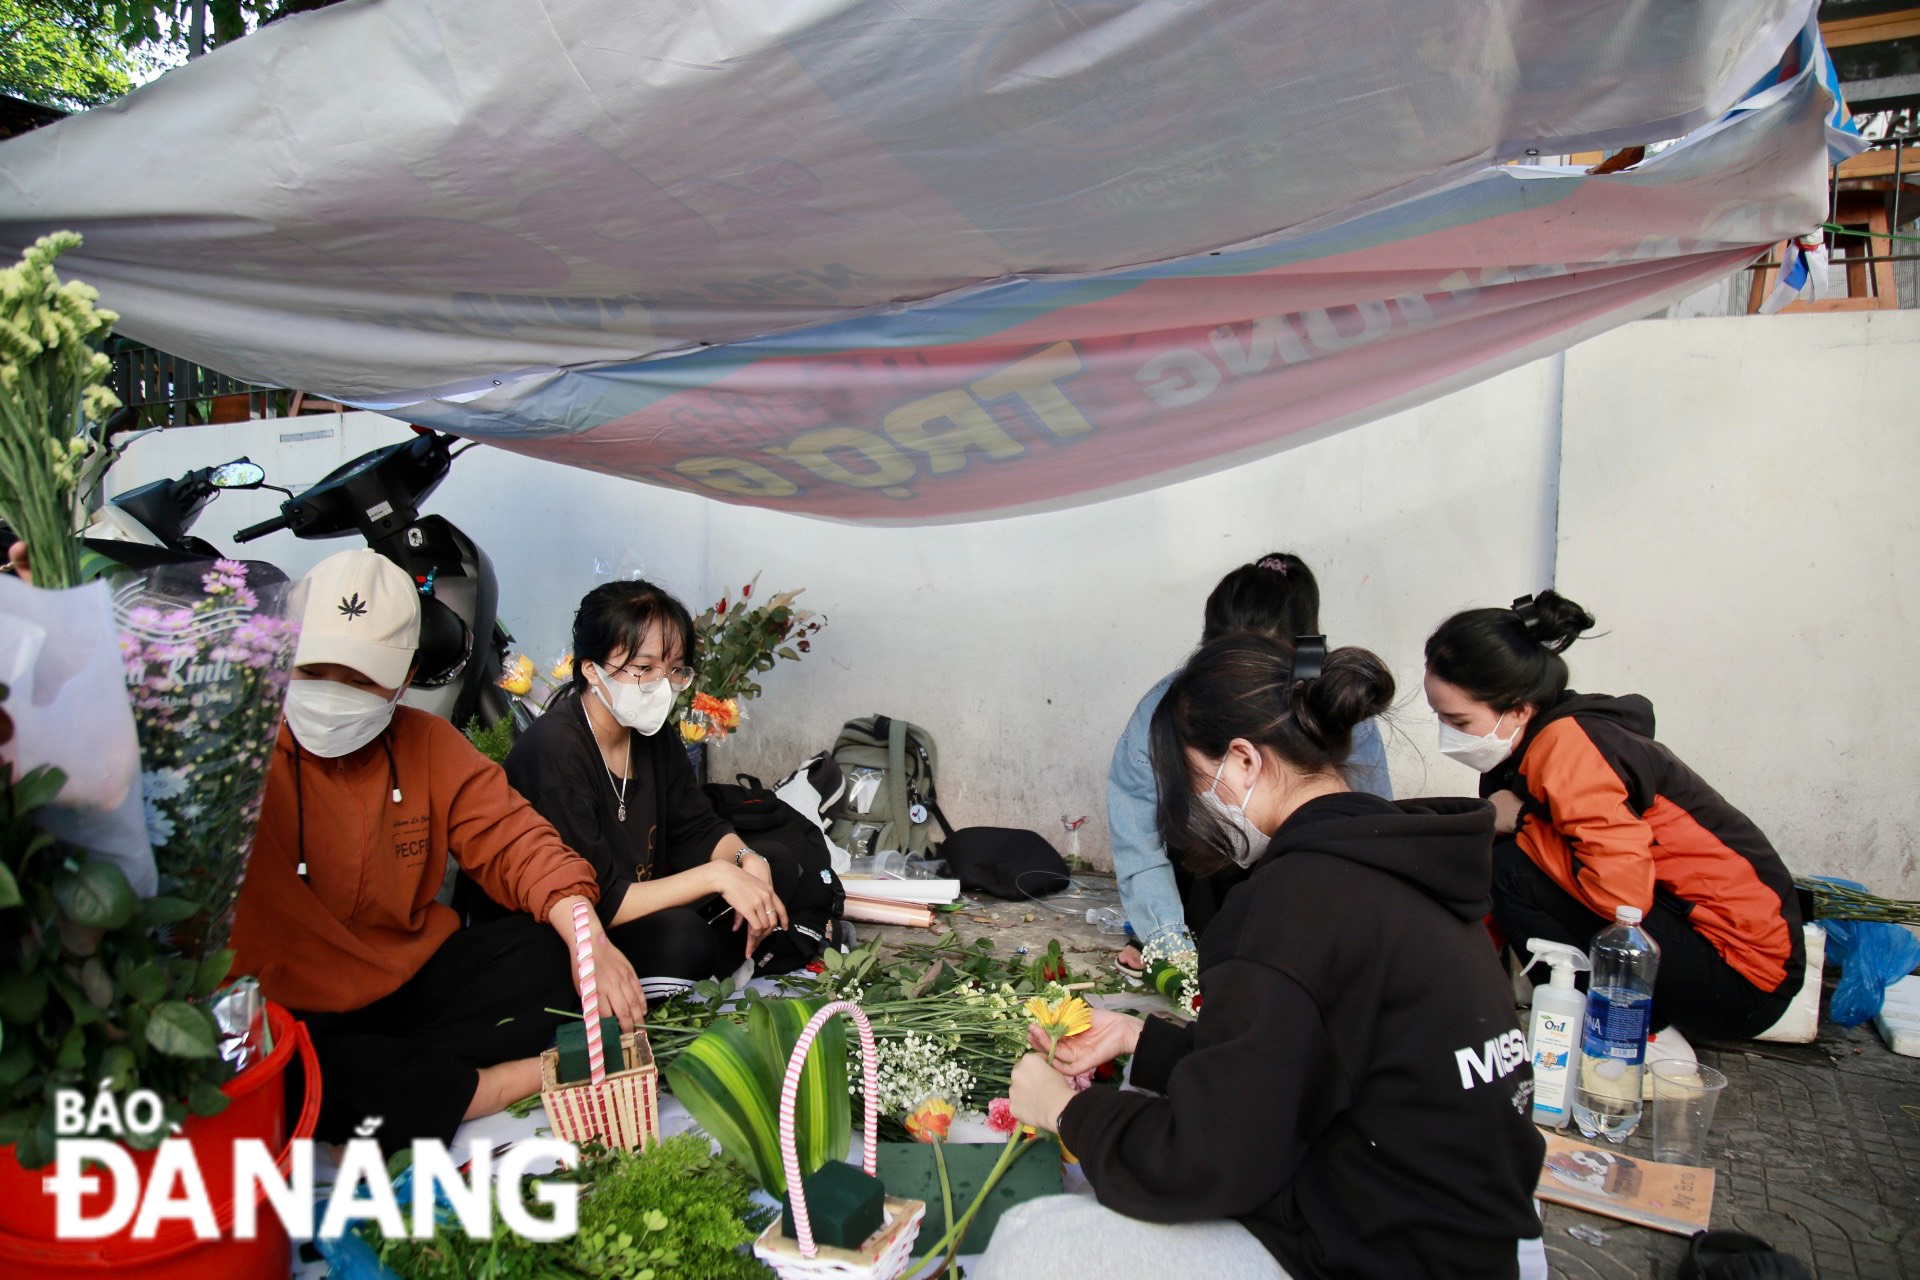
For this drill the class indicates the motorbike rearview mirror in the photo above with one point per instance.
(241, 473)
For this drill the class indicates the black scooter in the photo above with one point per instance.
(378, 495)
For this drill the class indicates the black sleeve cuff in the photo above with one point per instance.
(1162, 1044)
(613, 894)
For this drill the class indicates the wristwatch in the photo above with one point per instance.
(740, 857)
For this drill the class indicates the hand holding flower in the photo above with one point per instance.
(1057, 1021)
(1039, 1093)
(1107, 1036)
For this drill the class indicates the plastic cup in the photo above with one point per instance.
(1684, 1095)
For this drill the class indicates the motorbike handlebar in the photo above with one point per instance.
(262, 529)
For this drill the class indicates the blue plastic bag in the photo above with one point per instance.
(1872, 956)
(349, 1257)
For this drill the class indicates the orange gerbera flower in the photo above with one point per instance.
(931, 1120)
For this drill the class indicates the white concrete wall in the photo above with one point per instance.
(1023, 644)
(1738, 511)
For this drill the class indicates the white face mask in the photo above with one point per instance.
(332, 719)
(1250, 841)
(641, 707)
(1482, 752)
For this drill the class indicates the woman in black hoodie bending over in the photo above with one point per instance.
(1353, 1100)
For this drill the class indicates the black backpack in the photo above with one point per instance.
(796, 853)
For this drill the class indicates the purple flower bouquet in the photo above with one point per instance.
(207, 655)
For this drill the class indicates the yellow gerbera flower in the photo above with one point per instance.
(1065, 1018)
(522, 664)
(516, 681)
(562, 668)
(1068, 1017)
(691, 732)
(931, 1121)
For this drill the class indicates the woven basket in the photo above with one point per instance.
(621, 1110)
(886, 1254)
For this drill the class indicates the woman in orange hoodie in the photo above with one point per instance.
(1600, 815)
(418, 1024)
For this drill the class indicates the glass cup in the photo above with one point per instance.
(1684, 1094)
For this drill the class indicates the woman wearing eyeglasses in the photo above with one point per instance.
(680, 894)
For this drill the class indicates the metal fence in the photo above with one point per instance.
(172, 392)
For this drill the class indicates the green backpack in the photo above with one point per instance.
(888, 802)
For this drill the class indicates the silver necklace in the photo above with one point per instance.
(620, 788)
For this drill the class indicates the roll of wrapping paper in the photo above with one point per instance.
(880, 911)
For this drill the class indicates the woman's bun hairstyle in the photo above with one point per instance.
(1509, 658)
(1300, 703)
(1552, 621)
(1354, 685)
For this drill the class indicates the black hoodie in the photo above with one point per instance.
(1356, 1091)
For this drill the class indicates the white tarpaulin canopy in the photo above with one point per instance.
(891, 260)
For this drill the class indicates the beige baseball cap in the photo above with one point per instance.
(361, 610)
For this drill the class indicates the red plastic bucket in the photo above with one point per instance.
(257, 1109)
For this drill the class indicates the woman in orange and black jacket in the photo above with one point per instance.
(1601, 815)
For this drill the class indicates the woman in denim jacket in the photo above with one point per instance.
(1277, 596)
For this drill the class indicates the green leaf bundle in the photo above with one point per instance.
(729, 1078)
(674, 1210)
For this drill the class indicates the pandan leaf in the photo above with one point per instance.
(97, 896)
(823, 1114)
(181, 1031)
(726, 1087)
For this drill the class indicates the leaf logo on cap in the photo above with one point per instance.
(353, 608)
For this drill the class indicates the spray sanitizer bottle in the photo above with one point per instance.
(1553, 1028)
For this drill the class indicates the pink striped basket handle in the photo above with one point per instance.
(589, 991)
(789, 1097)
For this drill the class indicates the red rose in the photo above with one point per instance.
(1196, 1003)
(1105, 1071)
(817, 966)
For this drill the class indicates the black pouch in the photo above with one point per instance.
(1007, 862)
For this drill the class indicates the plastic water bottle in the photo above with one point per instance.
(1108, 919)
(1613, 1040)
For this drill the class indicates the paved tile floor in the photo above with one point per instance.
(1817, 1146)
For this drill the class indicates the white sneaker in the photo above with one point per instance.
(1665, 1046)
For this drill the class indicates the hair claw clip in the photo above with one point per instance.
(1529, 613)
(1309, 657)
